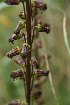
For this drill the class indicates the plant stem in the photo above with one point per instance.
(28, 69)
(28, 78)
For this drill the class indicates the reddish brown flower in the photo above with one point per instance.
(20, 61)
(13, 52)
(24, 51)
(39, 4)
(15, 37)
(34, 63)
(42, 72)
(12, 2)
(17, 73)
(21, 25)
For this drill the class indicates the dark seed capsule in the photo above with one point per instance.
(12, 2)
(17, 73)
(24, 50)
(13, 52)
(15, 37)
(34, 63)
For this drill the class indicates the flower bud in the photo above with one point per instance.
(20, 26)
(34, 63)
(36, 94)
(17, 73)
(42, 73)
(43, 28)
(20, 62)
(12, 2)
(15, 37)
(24, 50)
(14, 102)
(22, 15)
(13, 52)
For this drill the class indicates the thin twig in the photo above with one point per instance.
(48, 68)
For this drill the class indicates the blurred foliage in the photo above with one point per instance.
(59, 62)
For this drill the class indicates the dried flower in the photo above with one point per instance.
(15, 37)
(42, 72)
(13, 52)
(39, 4)
(34, 63)
(24, 51)
(22, 15)
(17, 73)
(43, 28)
(14, 102)
(20, 61)
(36, 94)
(12, 2)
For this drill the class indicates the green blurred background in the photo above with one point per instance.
(55, 45)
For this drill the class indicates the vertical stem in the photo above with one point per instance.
(28, 78)
(28, 69)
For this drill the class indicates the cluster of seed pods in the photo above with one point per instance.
(36, 72)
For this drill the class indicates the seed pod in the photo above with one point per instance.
(24, 51)
(22, 15)
(36, 94)
(17, 73)
(21, 25)
(20, 62)
(15, 37)
(43, 28)
(34, 63)
(12, 2)
(14, 102)
(39, 4)
(13, 52)
(41, 73)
